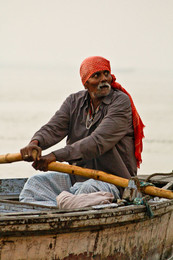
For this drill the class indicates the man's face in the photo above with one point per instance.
(99, 84)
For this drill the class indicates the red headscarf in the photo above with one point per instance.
(96, 63)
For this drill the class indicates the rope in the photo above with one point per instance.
(144, 201)
(145, 184)
(137, 185)
(158, 174)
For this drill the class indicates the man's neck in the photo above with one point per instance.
(96, 102)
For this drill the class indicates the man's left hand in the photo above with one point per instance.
(43, 162)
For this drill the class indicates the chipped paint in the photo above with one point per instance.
(120, 233)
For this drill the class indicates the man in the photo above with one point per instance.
(102, 126)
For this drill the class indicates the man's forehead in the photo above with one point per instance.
(99, 71)
(91, 65)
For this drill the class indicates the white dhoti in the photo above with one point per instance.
(43, 188)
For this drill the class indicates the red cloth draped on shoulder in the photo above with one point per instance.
(97, 63)
(137, 123)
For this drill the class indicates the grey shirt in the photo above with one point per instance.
(109, 143)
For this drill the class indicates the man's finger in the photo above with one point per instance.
(38, 155)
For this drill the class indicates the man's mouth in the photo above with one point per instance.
(103, 86)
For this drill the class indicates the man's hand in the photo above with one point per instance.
(31, 152)
(43, 162)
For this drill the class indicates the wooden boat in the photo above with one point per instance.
(29, 231)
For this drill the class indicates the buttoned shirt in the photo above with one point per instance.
(108, 145)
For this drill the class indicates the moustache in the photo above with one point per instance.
(103, 85)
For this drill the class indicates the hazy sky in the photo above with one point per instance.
(131, 33)
(50, 38)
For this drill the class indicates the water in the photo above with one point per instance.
(30, 96)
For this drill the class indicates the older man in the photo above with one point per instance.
(102, 126)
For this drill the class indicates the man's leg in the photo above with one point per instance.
(43, 188)
(92, 185)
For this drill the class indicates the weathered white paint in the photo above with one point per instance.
(124, 233)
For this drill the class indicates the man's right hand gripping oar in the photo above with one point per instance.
(32, 152)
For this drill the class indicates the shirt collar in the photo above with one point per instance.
(107, 99)
(86, 97)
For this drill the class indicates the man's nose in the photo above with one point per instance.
(103, 77)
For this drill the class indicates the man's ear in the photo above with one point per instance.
(86, 85)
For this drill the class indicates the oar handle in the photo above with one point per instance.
(89, 173)
(10, 157)
(103, 176)
(15, 157)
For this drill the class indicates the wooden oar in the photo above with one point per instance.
(90, 173)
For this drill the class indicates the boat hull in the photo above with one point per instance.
(119, 233)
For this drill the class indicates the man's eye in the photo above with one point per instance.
(106, 73)
(96, 75)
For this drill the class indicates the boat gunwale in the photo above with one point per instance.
(51, 222)
(55, 212)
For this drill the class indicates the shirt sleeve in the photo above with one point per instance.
(114, 126)
(56, 129)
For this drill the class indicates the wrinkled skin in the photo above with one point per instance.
(27, 152)
(40, 162)
(43, 162)
(98, 78)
